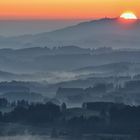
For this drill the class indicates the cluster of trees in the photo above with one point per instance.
(128, 116)
(80, 95)
(122, 92)
(32, 113)
(4, 103)
(113, 118)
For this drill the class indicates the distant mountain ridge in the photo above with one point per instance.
(93, 34)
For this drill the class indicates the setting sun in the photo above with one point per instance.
(128, 15)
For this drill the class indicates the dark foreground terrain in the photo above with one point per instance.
(94, 120)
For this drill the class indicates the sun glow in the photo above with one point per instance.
(129, 15)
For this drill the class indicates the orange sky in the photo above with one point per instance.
(66, 9)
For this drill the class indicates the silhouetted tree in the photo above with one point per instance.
(63, 107)
(3, 102)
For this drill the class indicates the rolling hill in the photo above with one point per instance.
(93, 34)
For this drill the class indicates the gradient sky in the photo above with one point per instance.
(66, 9)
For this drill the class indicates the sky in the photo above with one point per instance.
(66, 9)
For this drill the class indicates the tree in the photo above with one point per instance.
(63, 107)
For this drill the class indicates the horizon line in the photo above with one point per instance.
(90, 18)
(60, 19)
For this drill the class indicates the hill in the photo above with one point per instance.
(93, 34)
